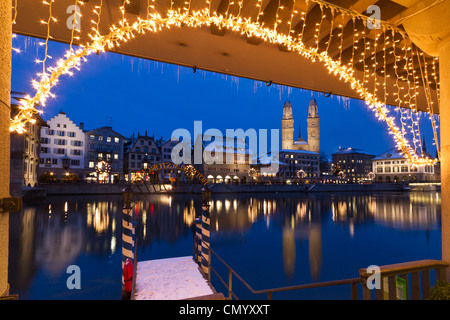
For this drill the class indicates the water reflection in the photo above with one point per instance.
(47, 237)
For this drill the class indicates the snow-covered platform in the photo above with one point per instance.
(170, 279)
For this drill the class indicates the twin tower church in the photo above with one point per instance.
(287, 129)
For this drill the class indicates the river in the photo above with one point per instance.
(270, 240)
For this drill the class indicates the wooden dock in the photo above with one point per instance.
(172, 279)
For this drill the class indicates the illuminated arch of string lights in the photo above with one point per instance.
(155, 22)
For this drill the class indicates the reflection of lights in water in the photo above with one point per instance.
(235, 204)
(189, 215)
(65, 207)
(219, 205)
(98, 217)
(301, 210)
(227, 205)
(352, 228)
(113, 243)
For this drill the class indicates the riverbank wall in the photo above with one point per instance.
(99, 189)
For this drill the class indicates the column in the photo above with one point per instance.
(444, 69)
(5, 115)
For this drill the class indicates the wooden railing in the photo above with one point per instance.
(397, 281)
(390, 272)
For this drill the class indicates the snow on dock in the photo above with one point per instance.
(170, 279)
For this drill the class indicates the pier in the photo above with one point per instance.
(172, 279)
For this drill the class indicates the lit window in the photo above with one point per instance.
(91, 164)
(116, 140)
(108, 139)
(116, 156)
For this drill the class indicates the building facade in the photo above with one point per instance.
(300, 166)
(25, 153)
(166, 150)
(391, 166)
(353, 165)
(104, 155)
(62, 148)
(287, 129)
(142, 153)
(225, 160)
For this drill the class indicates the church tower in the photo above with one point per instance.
(313, 127)
(287, 127)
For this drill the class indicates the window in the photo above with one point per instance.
(44, 140)
(133, 157)
(51, 132)
(116, 156)
(91, 164)
(92, 137)
(77, 143)
(116, 140)
(71, 134)
(76, 152)
(60, 142)
(60, 133)
(54, 161)
(100, 156)
(75, 162)
(100, 138)
(108, 139)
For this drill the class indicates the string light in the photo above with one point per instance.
(155, 22)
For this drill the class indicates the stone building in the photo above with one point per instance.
(354, 165)
(287, 129)
(141, 153)
(392, 166)
(62, 147)
(25, 151)
(104, 155)
(228, 159)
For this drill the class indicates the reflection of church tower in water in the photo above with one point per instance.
(287, 129)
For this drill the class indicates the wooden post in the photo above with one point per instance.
(206, 254)
(205, 238)
(128, 235)
(5, 116)
(444, 70)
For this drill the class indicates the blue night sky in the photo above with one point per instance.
(136, 95)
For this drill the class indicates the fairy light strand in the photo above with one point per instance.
(156, 22)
